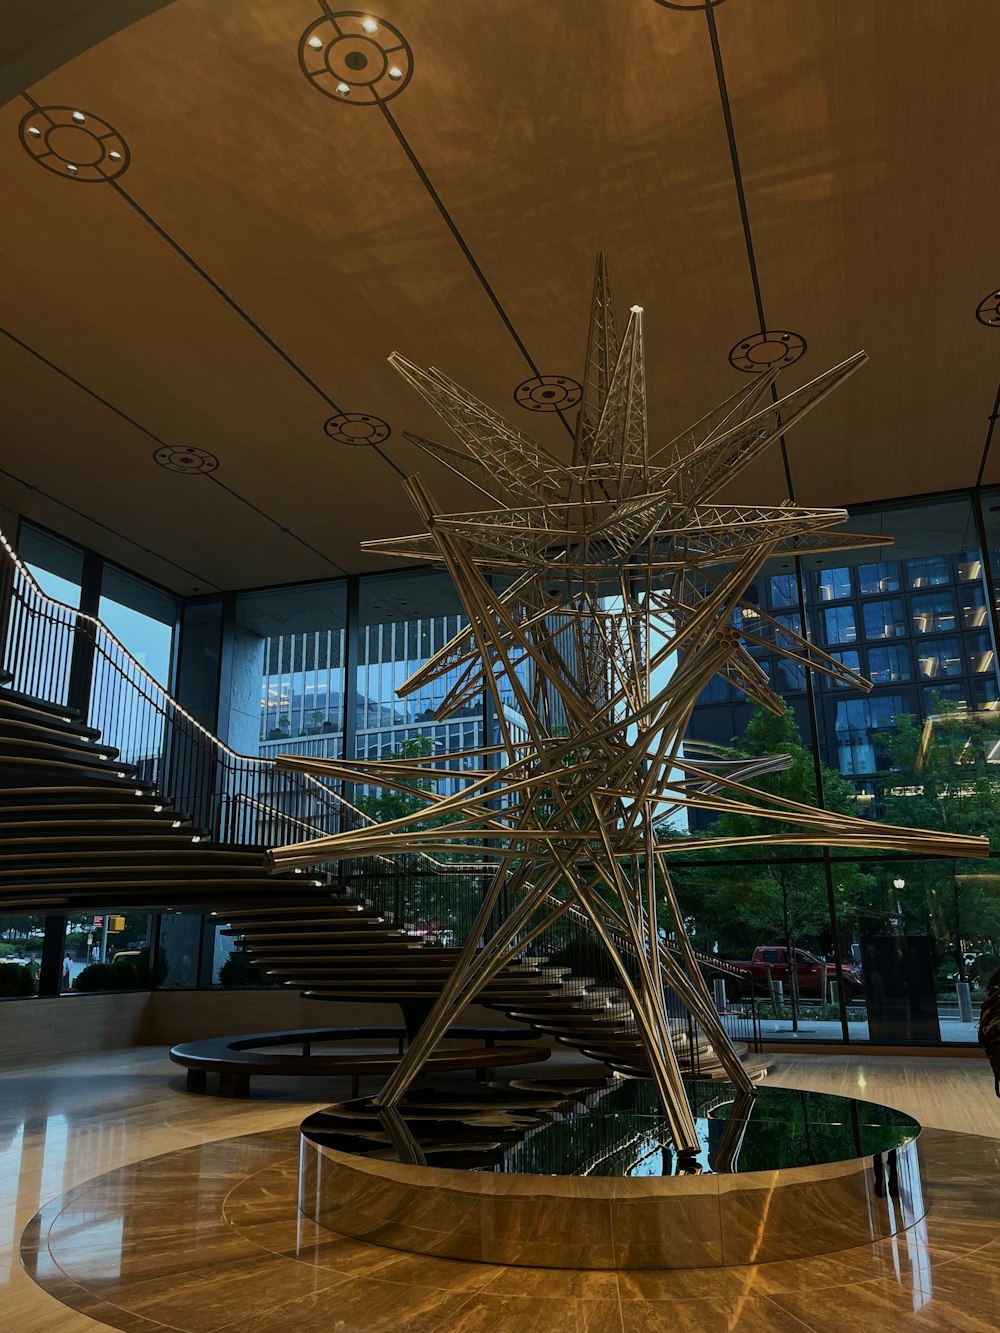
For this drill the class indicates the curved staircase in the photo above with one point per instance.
(82, 830)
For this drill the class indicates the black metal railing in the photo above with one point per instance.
(58, 654)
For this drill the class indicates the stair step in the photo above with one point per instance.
(40, 705)
(12, 710)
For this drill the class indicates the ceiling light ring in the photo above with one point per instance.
(765, 350)
(185, 458)
(336, 52)
(89, 150)
(988, 310)
(548, 393)
(358, 429)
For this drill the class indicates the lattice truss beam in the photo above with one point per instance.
(623, 581)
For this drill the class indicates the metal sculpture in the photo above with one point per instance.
(602, 595)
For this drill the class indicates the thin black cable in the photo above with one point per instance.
(146, 550)
(210, 476)
(989, 438)
(461, 242)
(734, 154)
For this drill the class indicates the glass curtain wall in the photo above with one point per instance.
(921, 748)
(287, 671)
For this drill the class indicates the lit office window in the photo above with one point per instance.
(885, 620)
(955, 693)
(939, 658)
(881, 577)
(834, 584)
(840, 624)
(980, 653)
(889, 665)
(986, 693)
(928, 572)
(934, 613)
(973, 601)
(970, 567)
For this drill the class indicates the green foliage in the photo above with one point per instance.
(948, 782)
(97, 976)
(17, 979)
(126, 975)
(770, 900)
(238, 970)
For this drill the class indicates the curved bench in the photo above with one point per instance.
(237, 1059)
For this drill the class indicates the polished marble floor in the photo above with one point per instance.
(144, 1208)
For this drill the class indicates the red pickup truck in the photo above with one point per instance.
(770, 963)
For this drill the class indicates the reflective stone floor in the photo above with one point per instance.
(162, 1211)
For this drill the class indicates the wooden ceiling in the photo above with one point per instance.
(824, 168)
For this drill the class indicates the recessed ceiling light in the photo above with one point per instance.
(370, 25)
(34, 131)
(115, 157)
(79, 117)
(316, 43)
(343, 89)
(71, 169)
(395, 72)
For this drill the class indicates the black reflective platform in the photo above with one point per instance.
(568, 1175)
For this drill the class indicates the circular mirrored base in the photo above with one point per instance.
(585, 1176)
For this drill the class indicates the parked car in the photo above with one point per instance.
(770, 963)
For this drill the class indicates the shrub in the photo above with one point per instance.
(126, 975)
(97, 976)
(17, 979)
(238, 970)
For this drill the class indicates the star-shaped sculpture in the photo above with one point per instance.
(622, 582)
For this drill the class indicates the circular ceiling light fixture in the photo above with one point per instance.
(70, 143)
(548, 393)
(367, 56)
(357, 428)
(988, 310)
(182, 458)
(763, 351)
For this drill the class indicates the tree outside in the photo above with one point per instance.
(945, 775)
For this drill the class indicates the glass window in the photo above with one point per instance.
(849, 658)
(889, 665)
(840, 624)
(857, 723)
(404, 619)
(979, 650)
(934, 613)
(927, 572)
(791, 677)
(939, 658)
(973, 601)
(784, 593)
(288, 671)
(40, 646)
(986, 692)
(956, 692)
(885, 620)
(142, 618)
(970, 567)
(21, 938)
(794, 623)
(715, 692)
(834, 584)
(881, 577)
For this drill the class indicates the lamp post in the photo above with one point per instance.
(899, 884)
